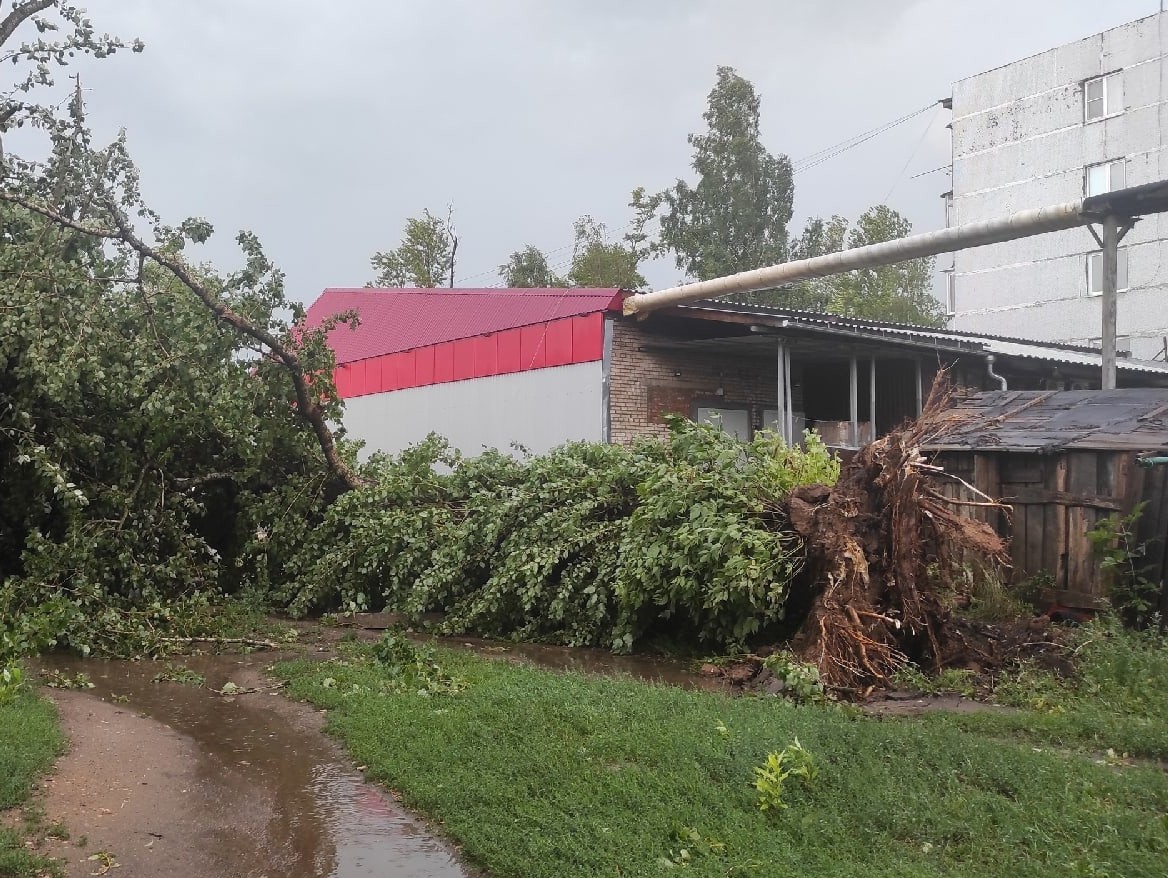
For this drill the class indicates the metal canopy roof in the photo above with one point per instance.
(919, 336)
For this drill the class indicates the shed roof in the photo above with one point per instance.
(1045, 422)
(921, 336)
(403, 319)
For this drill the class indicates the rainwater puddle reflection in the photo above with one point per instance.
(279, 798)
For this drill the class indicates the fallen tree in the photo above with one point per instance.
(883, 547)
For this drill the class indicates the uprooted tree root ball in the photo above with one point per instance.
(882, 547)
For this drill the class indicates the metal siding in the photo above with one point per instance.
(443, 362)
(539, 409)
(532, 350)
(373, 380)
(406, 373)
(424, 365)
(399, 320)
(510, 351)
(558, 341)
(486, 356)
(587, 338)
(464, 358)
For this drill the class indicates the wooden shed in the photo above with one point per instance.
(1063, 460)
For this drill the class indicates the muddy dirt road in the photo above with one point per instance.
(171, 779)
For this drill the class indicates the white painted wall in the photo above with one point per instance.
(538, 409)
(1020, 141)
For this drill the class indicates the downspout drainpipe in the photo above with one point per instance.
(990, 371)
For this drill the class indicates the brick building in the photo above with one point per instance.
(535, 368)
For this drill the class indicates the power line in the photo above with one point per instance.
(805, 163)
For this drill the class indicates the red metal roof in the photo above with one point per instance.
(404, 319)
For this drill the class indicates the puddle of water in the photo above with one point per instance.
(319, 817)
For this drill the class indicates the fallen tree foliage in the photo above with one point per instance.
(883, 546)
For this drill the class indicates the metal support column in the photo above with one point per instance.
(1110, 297)
(920, 388)
(789, 409)
(854, 402)
(872, 399)
(781, 393)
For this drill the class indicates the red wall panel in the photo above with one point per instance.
(510, 351)
(424, 366)
(532, 352)
(406, 374)
(464, 358)
(486, 356)
(587, 338)
(357, 378)
(373, 375)
(558, 341)
(443, 362)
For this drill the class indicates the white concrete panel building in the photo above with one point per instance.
(1081, 119)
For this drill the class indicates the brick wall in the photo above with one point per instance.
(646, 384)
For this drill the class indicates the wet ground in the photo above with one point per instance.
(169, 778)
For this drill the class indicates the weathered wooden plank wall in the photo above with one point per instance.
(1055, 500)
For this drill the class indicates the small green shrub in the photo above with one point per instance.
(1132, 594)
(11, 681)
(770, 778)
(800, 680)
(410, 668)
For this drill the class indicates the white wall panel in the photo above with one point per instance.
(538, 409)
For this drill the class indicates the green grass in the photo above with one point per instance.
(1118, 700)
(541, 774)
(30, 740)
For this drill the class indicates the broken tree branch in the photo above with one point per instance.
(306, 405)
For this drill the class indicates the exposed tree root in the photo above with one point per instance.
(882, 546)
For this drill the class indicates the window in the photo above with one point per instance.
(1106, 177)
(1095, 272)
(1102, 96)
(950, 293)
(736, 422)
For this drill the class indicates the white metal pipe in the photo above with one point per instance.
(1018, 225)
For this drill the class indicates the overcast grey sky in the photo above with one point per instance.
(323, 125)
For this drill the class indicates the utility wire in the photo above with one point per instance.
(805, 163)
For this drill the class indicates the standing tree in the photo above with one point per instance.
(529, 268)
(900, 293)
(735, 217)
(425, 257)
(597, 263)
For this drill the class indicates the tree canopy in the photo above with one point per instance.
(164, 426)
(598, 263)
(425, 257)
(735, 216)
(529, 268)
